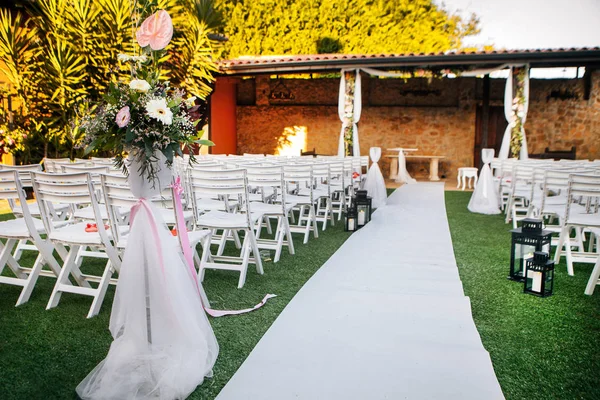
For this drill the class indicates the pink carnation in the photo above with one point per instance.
(123, 117)
(156, 31)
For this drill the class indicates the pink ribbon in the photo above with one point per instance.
(143, 204)
(182, 231)
(187, 252)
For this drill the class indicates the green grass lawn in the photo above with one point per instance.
(45, 354)
(541, 348)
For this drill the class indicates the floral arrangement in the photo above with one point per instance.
(518, 111)
(11, 140)
(145, 116)
(349, 112)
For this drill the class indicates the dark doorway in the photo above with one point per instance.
(496, 127)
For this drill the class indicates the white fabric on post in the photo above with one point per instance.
(485, 198)
(403, 175)
(375, 184)
(163, 343)
(508, 104)
(356, 111)
(508, 100)
(356, 115)
(341, 112)
(524, 154)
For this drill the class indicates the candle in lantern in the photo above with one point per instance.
(351, 223)
(536, 277)
(361, 217)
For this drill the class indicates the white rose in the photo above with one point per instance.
(139, 85)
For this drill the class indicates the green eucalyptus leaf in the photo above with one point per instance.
(204, 142)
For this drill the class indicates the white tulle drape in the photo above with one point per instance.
(403, 175)
(375, 184)
(484, 199)
(163, 344)
(508, 111)
(356, 112)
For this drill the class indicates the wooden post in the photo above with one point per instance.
(485, 117)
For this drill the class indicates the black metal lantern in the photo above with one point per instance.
(526, 240)
(539, 275)
(362, 203)
(351, 219)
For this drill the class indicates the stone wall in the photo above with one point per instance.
(437, 116)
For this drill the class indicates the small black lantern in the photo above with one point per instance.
(526, 240)
(362, 203)
(351, 220)
(539, 275)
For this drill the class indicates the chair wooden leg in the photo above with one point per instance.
(313, 217)
(591, 285)
(245, 260)
(255, 252)
(330, 202)
(6, 258)
(63, 277)
(31, 280)
(19, 249)
(268, 225)
(223, 241)
(279, 234)
(308, 226)
(205, 257)
(259, 225)
(288, 234)
(561, 242)
(101, 290)
(569, 256)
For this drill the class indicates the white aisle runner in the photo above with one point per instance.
(384, 318)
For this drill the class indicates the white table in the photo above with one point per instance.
(433, 165)
(395, 167)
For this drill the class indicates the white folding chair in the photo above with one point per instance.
(339, 187)
(270, 178)
(23, 229)
(227, 184)
(520, 192)
(75, 189)
(587, 188)
(59, 212)
(299, 177)
(321, 192)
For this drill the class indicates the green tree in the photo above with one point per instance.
(64, 53)
(263, 27)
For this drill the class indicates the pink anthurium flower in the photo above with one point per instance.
(156, 31)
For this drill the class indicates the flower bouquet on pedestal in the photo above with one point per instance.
(163, 344)
(145, 117)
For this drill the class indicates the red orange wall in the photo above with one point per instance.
(223, 117)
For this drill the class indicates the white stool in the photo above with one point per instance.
(466, 175)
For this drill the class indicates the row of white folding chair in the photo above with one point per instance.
(22, 229)
(579, 217)
(52, 188)
(522, 190)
